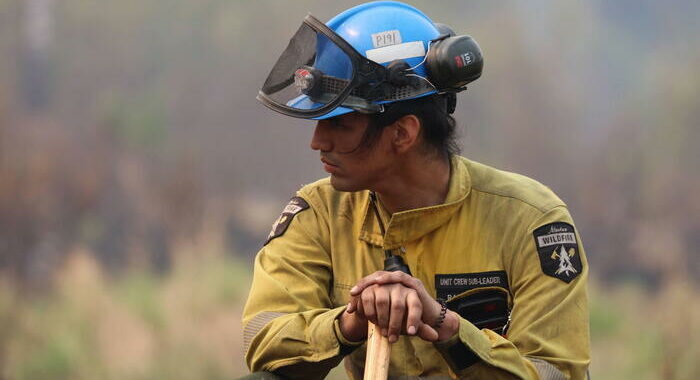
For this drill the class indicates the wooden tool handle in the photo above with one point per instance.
(378, 353)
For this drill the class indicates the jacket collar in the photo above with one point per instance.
(409, 225)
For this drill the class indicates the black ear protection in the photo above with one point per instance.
(453, 61)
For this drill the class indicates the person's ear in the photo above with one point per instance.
(406, 133)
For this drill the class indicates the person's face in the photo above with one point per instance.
(352, 164)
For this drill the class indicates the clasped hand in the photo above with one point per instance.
(396, 303)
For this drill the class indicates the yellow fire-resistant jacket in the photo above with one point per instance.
(496, 233)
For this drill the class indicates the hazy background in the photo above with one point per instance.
(139, 176)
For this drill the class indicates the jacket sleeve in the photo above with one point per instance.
(548, 334)
(289, 320)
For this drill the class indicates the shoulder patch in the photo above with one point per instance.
(558, 250)
(295, 206)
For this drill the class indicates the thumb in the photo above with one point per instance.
(427, 333)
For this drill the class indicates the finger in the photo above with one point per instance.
(400, 278)
(368, 301)
(406, 280)
(391, 277)
(359, 309)
(426, 332)
(414, 312)
(382, 304)
(397, 311)
(365, 282)
(353, 304)
(383, 277)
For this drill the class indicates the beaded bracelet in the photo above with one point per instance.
(443, 312)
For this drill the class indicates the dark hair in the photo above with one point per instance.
(437, 125)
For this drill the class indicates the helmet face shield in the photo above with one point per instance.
(367, 56)
(318, 72)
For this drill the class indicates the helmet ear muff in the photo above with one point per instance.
(444, 30)
(453, 61)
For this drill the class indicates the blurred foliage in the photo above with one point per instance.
(186, 325)
(141, 123)
(181, 326)
(638, 335)
(151, 128)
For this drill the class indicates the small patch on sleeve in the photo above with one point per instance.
(295, 206)
(558, 250)
(447, 286)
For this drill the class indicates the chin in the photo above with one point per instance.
(344, 184)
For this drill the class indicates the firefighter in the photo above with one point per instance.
(491, 273)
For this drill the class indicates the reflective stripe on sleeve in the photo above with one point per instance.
(255, 325)
(546, 370)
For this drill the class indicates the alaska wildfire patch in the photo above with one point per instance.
(295, 206)
(558, 250)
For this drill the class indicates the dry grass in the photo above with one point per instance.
(642, 335)
(186, 325)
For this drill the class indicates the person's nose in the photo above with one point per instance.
(321, 140)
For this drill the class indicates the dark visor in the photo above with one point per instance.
(317, 72)
(320, 71)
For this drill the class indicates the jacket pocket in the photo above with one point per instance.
(485, 308)
(340, 294)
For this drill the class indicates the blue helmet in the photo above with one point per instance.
(385, 31)
(367, 56)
